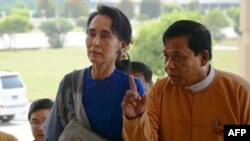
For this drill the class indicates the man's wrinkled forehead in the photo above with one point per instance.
(178, 44)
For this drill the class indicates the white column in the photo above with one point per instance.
(245, 39)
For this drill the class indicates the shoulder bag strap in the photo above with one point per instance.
(77, 85)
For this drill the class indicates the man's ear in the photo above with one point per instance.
(204, 57)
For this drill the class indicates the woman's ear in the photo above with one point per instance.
(124, 45)
(122, 48)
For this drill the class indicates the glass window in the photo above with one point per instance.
(9, 82)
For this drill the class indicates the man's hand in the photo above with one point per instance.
(133, 105)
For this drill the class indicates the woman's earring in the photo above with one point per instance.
(124, 56)
(119, 51)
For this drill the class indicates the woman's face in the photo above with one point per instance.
(102, 45)
(36, 120)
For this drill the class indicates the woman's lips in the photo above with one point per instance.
(95, 53)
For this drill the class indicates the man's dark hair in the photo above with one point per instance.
(198, 36)
(136, 66)
(120, 23)
(39, 104)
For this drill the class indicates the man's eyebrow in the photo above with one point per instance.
(34, 119)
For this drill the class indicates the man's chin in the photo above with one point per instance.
(175, 83)
(40, 138)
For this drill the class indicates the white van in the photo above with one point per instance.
(12, 95)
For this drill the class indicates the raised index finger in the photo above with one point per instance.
(132, 84)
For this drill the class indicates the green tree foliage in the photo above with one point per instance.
(59, 7)
(81, 21)
(215, 20)
(5, 5)
(127, 6)
(20, 4)
(8, 5)
(23, 12)
(148, 44)
(45, 8)
(194, 6)
(56, 31)
(31, 4)
(16, 22)
(168, 8)
(7, 1)
(150, 8)
(75, 8)
(1, 30)
(234, 14)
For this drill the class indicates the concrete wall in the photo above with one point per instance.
(245, 40)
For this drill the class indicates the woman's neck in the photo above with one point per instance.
(101, 72)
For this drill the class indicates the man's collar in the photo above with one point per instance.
(204, 83)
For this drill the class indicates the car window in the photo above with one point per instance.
(9, 82)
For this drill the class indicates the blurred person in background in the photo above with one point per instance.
(38, 112)
(143, 72)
